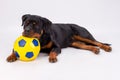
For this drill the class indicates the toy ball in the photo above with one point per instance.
(26, 49)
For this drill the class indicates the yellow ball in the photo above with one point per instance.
(26, 49)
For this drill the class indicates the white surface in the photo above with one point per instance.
(100, 17)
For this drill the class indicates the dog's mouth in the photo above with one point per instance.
(31, 34)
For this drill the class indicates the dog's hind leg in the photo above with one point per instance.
(86, 47)
(99, 44)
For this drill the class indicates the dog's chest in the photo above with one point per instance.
(45, 41)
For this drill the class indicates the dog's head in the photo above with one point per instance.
(34, 25)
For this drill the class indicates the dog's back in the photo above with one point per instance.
(67, 31)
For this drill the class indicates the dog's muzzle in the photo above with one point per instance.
(27, 30)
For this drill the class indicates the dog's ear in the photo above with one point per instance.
(46, 24)
(24, 17)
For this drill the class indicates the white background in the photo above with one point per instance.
(100, 17)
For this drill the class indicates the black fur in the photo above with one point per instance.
(60, 34)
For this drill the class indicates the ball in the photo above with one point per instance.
(26, 49)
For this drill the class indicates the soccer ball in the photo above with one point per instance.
(26, 49)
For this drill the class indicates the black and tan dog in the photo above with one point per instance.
(54, 37)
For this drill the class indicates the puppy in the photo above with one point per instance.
(54, 37)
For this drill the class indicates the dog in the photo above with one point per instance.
(54, 37)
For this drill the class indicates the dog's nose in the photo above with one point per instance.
(27, 30)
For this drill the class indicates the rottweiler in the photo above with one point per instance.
(55, 36)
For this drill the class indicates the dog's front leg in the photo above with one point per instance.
(53, 55)
(12, 57)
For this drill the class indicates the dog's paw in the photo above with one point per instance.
(106, 48)
(52, 60)
(96, 50)
(53, 57)
(11, 58)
